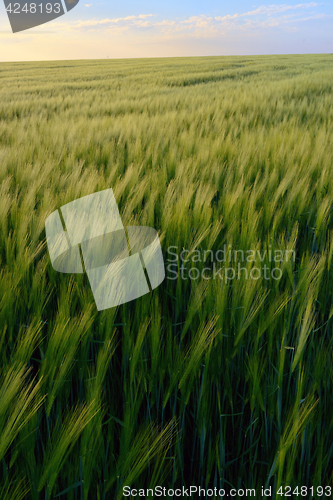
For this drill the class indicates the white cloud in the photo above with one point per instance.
(104, 23)
(201, 26)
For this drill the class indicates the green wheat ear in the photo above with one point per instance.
(224, 384)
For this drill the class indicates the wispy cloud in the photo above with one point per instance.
(285, 16)
(106, 23)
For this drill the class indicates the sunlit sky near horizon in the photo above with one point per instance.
(94, 30)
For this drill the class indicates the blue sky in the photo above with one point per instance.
(97, 29)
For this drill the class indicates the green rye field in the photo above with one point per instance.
(224, 383)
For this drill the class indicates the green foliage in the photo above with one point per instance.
(207, 382)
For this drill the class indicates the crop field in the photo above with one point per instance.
(222, 377)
